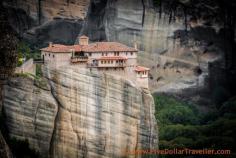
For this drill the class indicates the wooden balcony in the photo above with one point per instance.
(96, 65)
(77, 59)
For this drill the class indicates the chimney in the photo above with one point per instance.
(50, 44)
(135, 45)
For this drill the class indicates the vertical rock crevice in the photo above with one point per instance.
(51, 149)
(39, 12)
(144, 12)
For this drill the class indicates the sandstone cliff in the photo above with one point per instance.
(191, 34)
(176, 39)
(78, 113)
(40, 22)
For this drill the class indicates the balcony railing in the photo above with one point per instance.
(120, 64)
(107, 65)
(76, 59)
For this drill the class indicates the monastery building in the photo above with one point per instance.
(111, 57)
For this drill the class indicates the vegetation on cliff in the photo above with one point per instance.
(182, 125)
(19, 148)
(24, 53)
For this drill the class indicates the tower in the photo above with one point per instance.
(83, 40)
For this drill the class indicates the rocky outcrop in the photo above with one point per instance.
(94, 26)
(82, 114)
(64, 31)
(197, 33)
(39, 22)
(177, 30)
(4, 149)
(42, 11)
(30, 112)
(189, 32)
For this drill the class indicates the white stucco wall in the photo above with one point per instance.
(56, 59)
(142, 82)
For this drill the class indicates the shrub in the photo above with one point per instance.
(38, 70)
(181, 125)
(169, 111)
(24, 49)
(170, 132)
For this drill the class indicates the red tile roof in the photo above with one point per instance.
(108, 47)
(94, 47)
(113, 58)
(59, 48)
(141, 68)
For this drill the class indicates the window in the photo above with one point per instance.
(53, 56)
(116, 53)
(90, 54)
(131, 53)
(102, 62)
(106, 54)
(126, 53)
(49, 54)
(102, 54)
(116, 61)
(112, 61)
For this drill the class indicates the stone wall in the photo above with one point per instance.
(27, 67)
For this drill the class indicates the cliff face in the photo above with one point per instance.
(78, 113)
(30, 112)
(5, 151)
(177, 39)
(40, 22)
